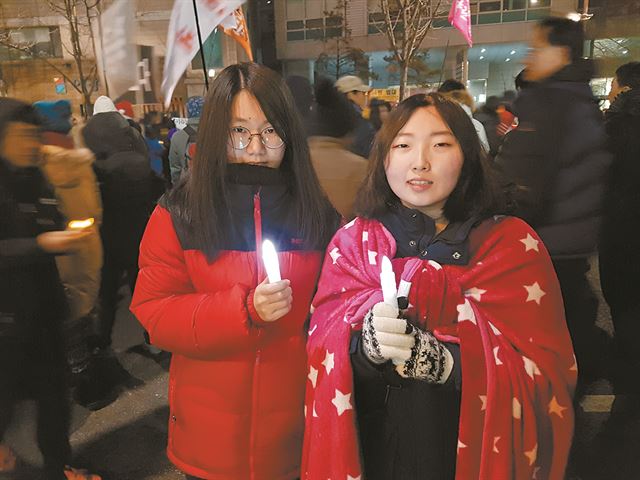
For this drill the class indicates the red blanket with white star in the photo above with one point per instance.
(505, 311)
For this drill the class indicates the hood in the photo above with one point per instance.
(108, 133)
(103, 104)
(626, 103)
(65, 167)
(580, 71)
(56, 116)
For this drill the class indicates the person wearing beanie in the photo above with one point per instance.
(183, 141)
(339, 170)
(32, 298)
(70, 172)
(356, 91)
(103, 104)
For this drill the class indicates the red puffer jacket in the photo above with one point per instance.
(237, 384)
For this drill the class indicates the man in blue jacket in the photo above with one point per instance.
(558, 159)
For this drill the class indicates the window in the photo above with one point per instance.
(38, 42)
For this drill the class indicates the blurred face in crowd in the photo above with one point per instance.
(616, 90)
(424, 163)
(21, 144)
(253, 139)
(384, 113)
(359, 98)
(544, 59)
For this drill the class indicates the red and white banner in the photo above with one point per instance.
(460, 17)
(236, 27)
(182, 39)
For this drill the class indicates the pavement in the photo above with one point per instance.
(127, 439)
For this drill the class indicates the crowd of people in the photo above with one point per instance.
(434, 318)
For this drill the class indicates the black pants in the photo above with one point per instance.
(114, 267)
(581, 310)
(37, 370)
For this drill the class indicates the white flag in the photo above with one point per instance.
(117, 56)
(182, 39)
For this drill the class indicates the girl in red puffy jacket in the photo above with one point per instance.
(238, 372)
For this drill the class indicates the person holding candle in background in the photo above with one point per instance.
(469, 373)
(238, 368)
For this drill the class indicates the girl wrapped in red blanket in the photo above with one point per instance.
(470, 374)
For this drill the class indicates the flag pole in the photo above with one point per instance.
(204, 65)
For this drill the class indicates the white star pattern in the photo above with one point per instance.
(555, 407)
(435, 264)
(534, 293)
(517, 409)
(349, 477)
(365, 236)
(313, 376)
(350, 224)
(495, 444)
(342, 402)
(494, 329)
(475, 293)
(335, 255)
(483, 399)
(495, 356)
(530, 367)
(313, 411)
(372, 257)
(465, 313)
(305, 411)
(343, 290)
(460, 445)
(328, 362)
(313, 330)
(532, 455)
(530, 243)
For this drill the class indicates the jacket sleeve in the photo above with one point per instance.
(179, 319)
(16, 252)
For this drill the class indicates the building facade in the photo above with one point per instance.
(501, 29)
(36, 61)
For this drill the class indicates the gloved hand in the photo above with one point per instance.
(385, 336)
(415, 353)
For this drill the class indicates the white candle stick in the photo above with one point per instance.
(270, 259)
(388, 283)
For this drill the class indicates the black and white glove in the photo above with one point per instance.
(415, 353)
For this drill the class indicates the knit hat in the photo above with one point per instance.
(125, 108)
(194, 107)
(56, 115)
(103, 105)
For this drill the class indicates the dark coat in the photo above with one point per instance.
(32, 301)
(127, 183)
(558, 156)
(363, 134)
(620, 243)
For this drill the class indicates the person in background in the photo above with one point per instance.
(356, 92)
(126, 110)
(32, 299)
(302, 92)
(378, 112)
(457, 91)
(619, 246)
(467, 371)
(70, 172)
(340, 171)
(488, 116)
(238, 339)
(557, 159)
(183, 141)
(129, 190)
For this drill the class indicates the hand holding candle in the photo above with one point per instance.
(270, 259)
(272, 298)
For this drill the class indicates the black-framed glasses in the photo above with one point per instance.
(241, 138)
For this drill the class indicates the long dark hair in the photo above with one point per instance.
(477, 192)
(374, 112)
(202, 199)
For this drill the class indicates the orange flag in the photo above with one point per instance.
(235, 26)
